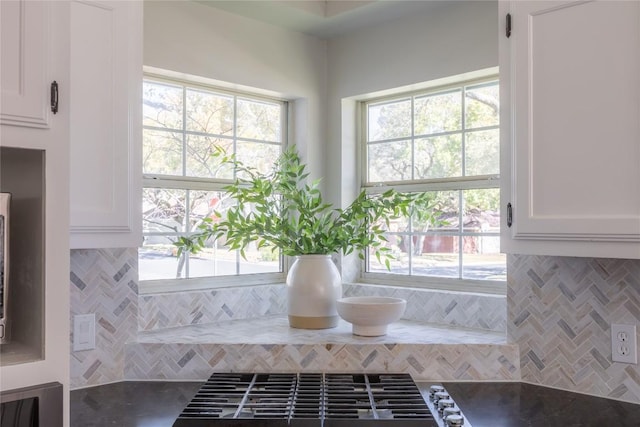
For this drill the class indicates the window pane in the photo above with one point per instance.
(208, 112)
(263, 260)
(162, 152)
(161, 105)
(157, 259)
(216, 259)
(400, 249)
(390, 120)
(436, 255)
(482, 259)
(259, 120)
(212, 261)
(438, 113)
(258, 155)
(389, 161)
(201, 161)
(482, 153)
(396, 225)
(203, 204)
(163, 210)
(482, 106)
(446, 211)
(482, 211)
(438, 157)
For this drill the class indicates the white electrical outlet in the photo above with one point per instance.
(623, 344)
(84, 332)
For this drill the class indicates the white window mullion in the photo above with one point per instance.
(413, 176)
(184, 131)
(470, 183)
(463, 136)
(235, 172)
(215, 257)
(364, 129)
(413, 139)
(460, 232)
(185, 226)
(411, 235)
(235, 131)
(187, 214)
(284, 131)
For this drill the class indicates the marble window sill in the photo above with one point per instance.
(276, 330)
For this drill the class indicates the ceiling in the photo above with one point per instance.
(325, 18)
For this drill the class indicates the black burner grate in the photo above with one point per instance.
(307, 400)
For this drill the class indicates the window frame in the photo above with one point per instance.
(492, 181)
(177, 182)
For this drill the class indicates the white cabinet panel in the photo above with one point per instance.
(106, 76)
(24, 68)
(49, 135)
(570, 77)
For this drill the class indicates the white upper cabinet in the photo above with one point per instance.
(106, 123)
(570, 88)
(34, 51)
(25, 66)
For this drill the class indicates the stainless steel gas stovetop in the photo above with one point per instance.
(315, 400)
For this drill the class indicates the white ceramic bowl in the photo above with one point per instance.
(370, 316)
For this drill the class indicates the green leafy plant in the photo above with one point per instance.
(279, 209)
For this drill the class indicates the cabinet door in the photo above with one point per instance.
(24, 72)
(574, 75)
(38, 176)
(106, 128)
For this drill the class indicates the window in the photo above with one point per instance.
(445, 142)
(184, 126)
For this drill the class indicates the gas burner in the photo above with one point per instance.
(307, 400)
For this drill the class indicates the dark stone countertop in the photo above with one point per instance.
(131, 404)
(157, 404)
(526, 405)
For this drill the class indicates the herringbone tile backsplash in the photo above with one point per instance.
(424, 362)
(560, 313)
(104, 282)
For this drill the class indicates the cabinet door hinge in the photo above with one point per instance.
(54, 97)
(509, 215)
(508, 26)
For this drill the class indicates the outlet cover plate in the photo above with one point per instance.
(624, 347)
(84, 332)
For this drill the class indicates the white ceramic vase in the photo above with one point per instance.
(313, 287)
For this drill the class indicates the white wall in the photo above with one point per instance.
(204, 41)
(452, 38)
